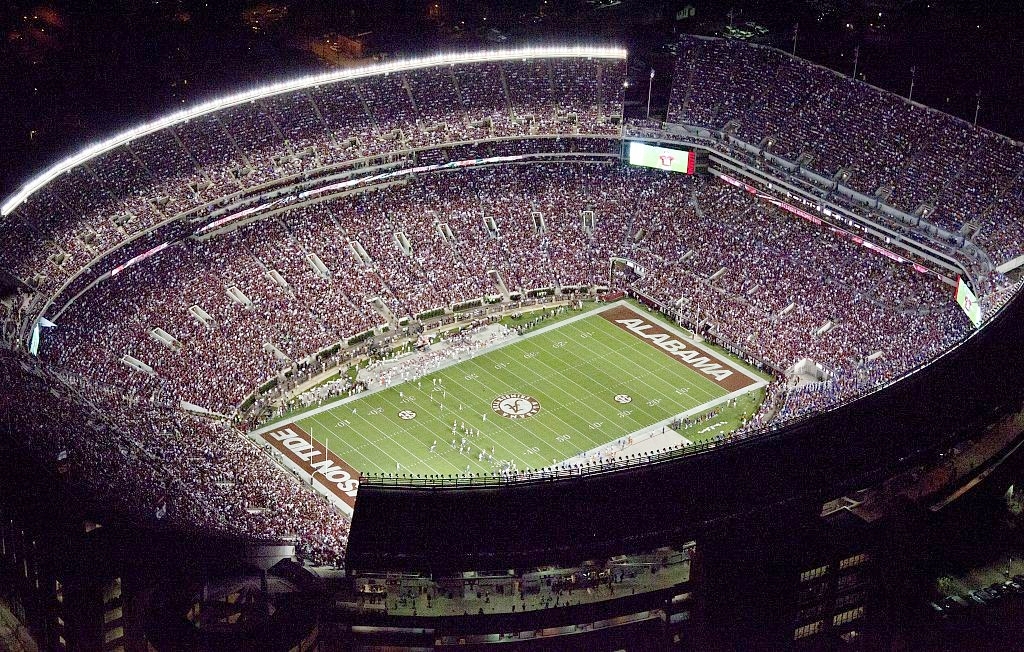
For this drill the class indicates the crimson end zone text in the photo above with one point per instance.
(313, 458)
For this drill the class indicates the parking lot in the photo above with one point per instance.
(982, 586)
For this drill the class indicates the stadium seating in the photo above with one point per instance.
(968, 177)
(164, 467)
(132, 188)
(766, 296)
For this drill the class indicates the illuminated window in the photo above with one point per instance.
(847, 616)
(112, 614)
(680, 617)
(850, 562)
(113, 634)
(682, 597)
(113, 590)
(814, 573)
(807, 630)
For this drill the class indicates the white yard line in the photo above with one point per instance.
(444, 365)
(472, 355)
(500, 345)
(654, 440)
(654, 429)
(554, 414)
(691, 341)
(502, 425)
(689, 371)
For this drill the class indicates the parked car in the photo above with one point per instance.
(955, 603)
(979, 596)
(998, 590)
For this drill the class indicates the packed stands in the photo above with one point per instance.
(960, 176)
(163, 174)
(794, 292)
(163, 467)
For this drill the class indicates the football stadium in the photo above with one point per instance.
(459, 336)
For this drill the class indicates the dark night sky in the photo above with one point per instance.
(74, 71)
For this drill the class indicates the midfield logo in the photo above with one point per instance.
(515, 406)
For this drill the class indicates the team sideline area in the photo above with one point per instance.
(594, 387)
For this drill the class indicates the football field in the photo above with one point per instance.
(539, 400)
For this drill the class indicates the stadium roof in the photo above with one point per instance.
(91, 151)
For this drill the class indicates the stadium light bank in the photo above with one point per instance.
(479, 56)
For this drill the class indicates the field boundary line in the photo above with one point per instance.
(665, 422)
(444, 365)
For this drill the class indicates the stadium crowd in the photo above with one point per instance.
(216, 157)
(240, 308)
(161, 466)
(215, 319)
(958, 175)
(459, 346)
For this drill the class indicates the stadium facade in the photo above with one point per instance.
(175, 281)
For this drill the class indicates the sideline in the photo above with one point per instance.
(443, 365)
(596, 310)
(651, 438)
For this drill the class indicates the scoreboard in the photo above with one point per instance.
(968, 302)
(661, 158)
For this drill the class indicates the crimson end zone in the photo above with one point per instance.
(315, 460)
(701, 359)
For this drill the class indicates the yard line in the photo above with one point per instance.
(373, 443)
(684, 373)
(585, 393)
(330, 430)
(473, 395)
(470, 395)
(553, 374)
(441, 433)
(627, 376)
(580, 397)
(390, 408)
(504, 426)
(527, 383)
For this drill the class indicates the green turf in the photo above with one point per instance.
(574, 371)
